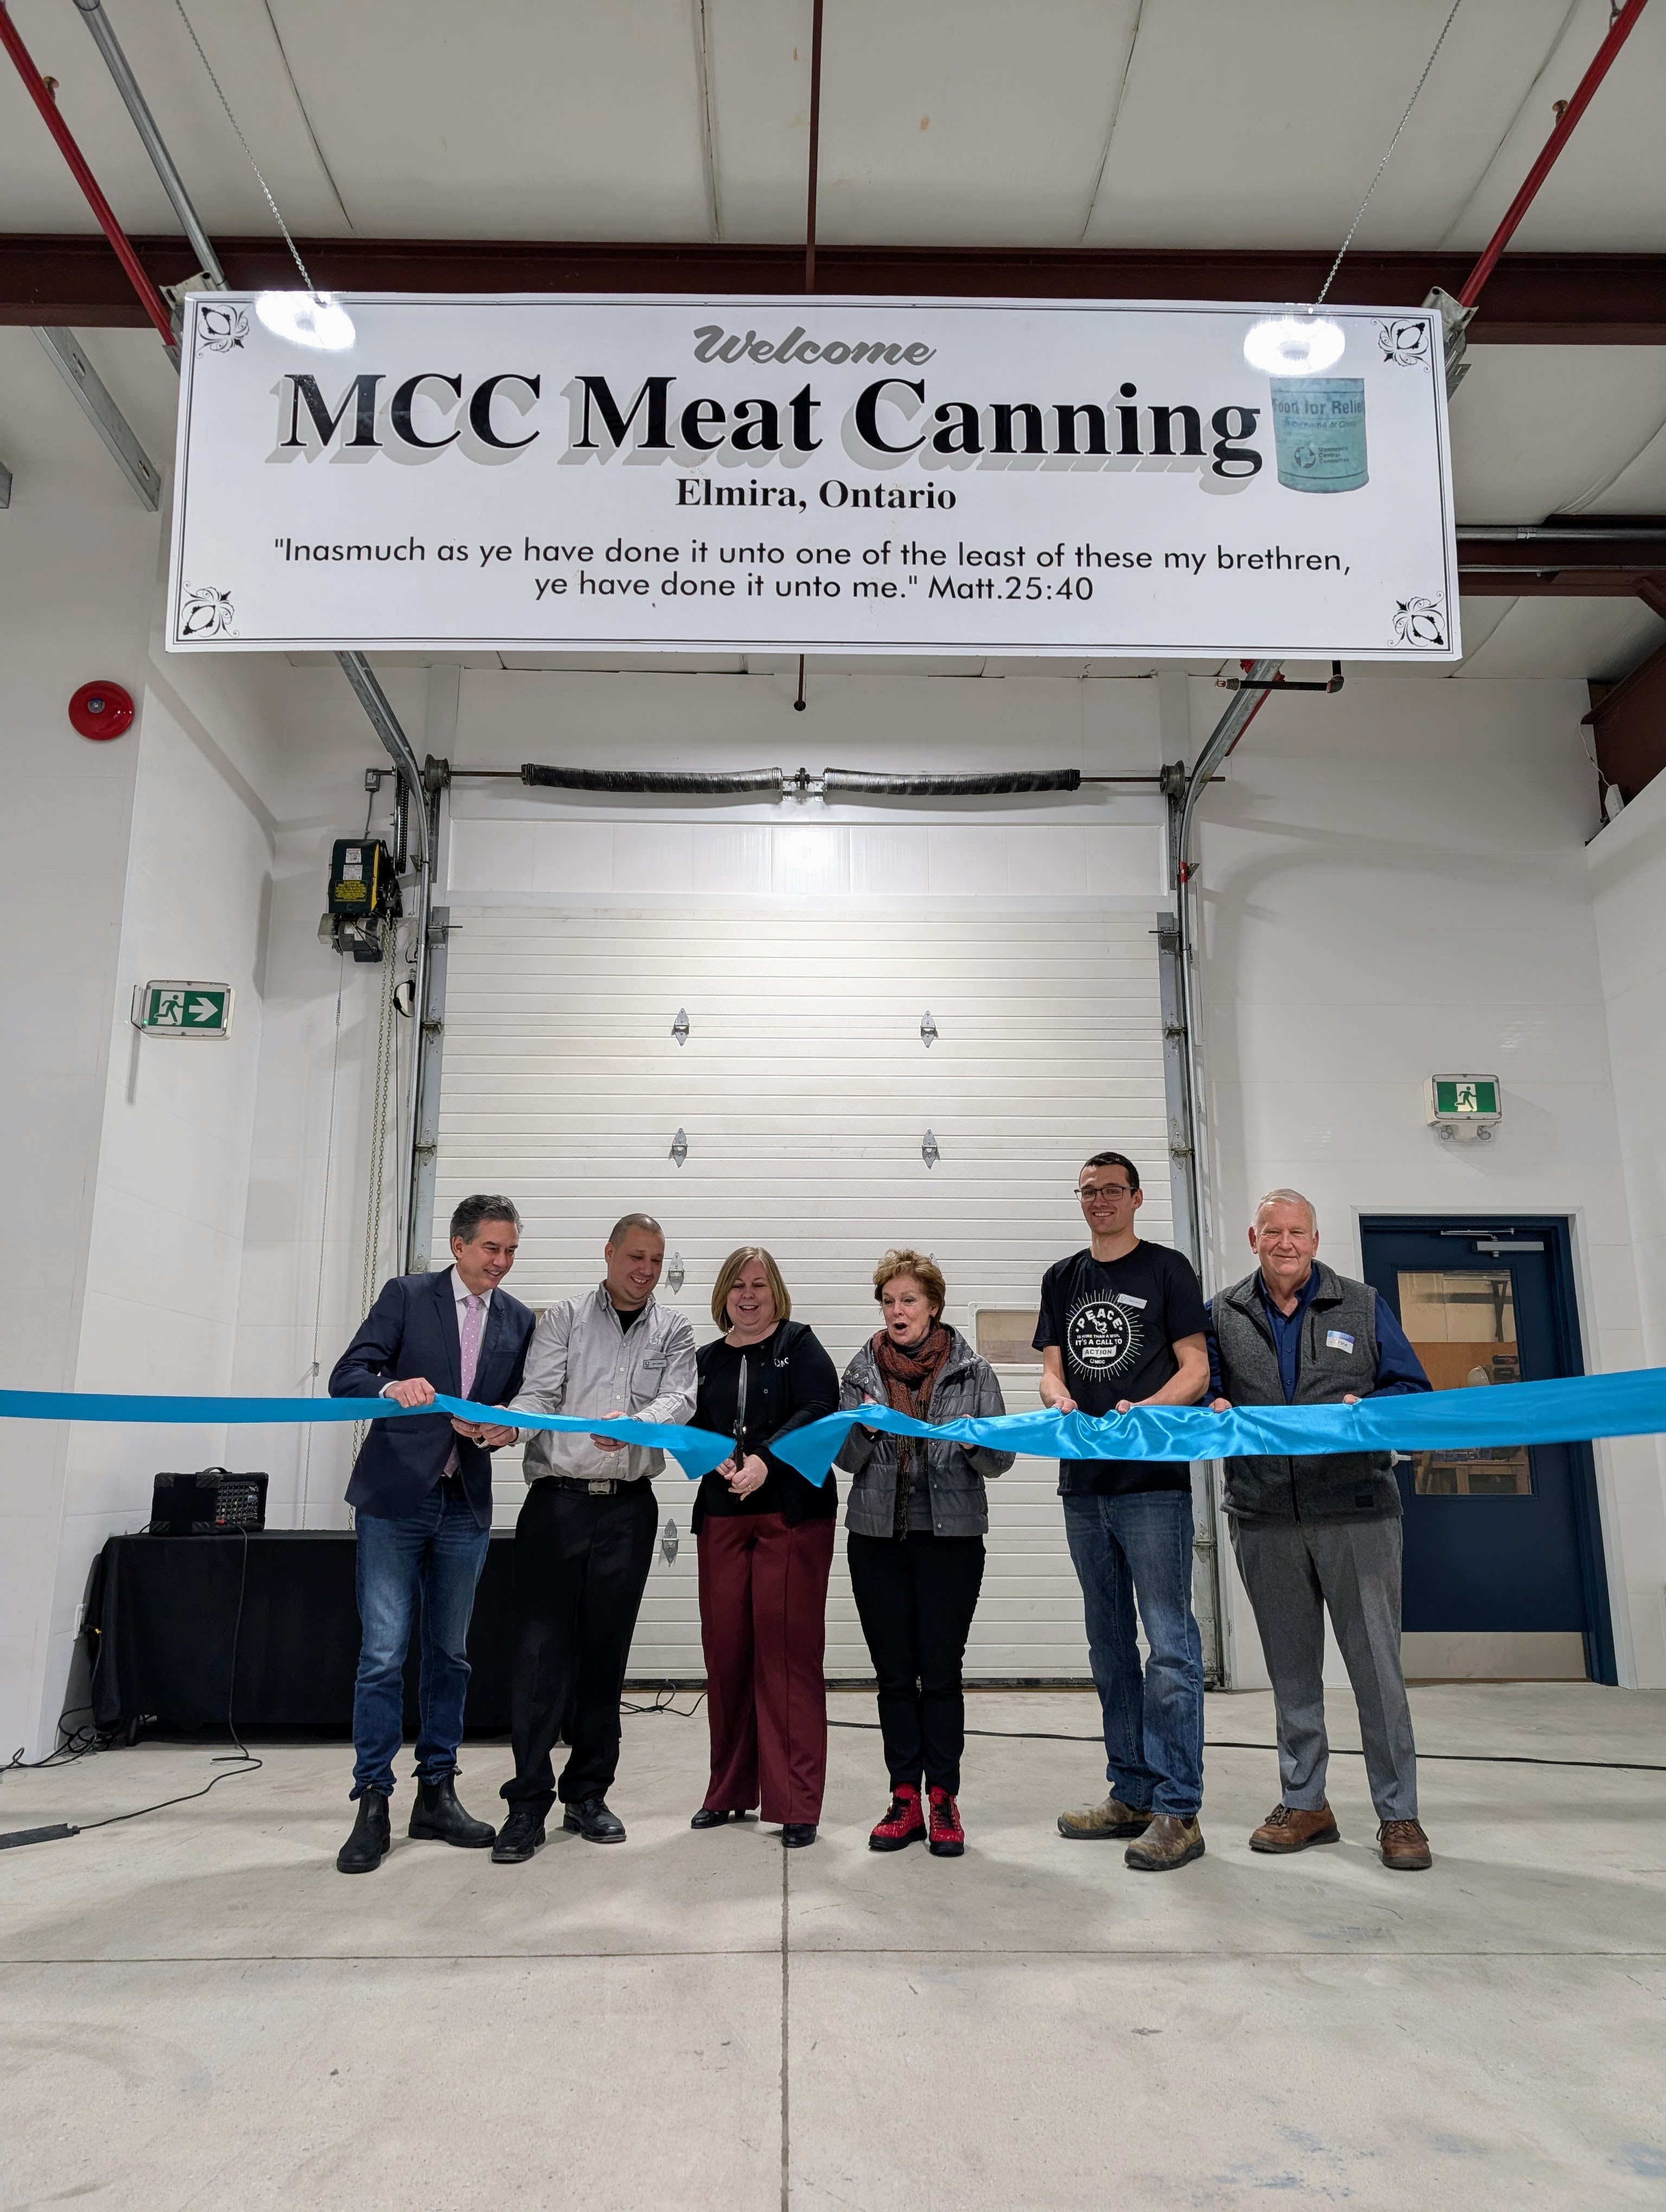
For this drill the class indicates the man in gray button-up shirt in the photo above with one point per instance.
(583, 1541)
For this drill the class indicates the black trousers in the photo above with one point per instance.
(581, 1564)
(915, 1600)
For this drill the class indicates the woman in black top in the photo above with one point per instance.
(766, 1546)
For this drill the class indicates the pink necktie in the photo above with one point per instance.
(474, 1307)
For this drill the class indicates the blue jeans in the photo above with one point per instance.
(439, 1550)
(1140, 1547)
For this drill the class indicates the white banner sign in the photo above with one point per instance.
(821, 476)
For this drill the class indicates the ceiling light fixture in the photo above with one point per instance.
(1294, 344)
(308, 319)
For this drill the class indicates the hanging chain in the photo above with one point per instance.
(381, 1099)
(1383, 163)
(294, 249)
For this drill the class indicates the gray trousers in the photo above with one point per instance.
(1293, 1573)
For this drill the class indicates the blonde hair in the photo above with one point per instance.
(729, 1274)
(924, 1270)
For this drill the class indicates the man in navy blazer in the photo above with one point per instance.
(422, 1493)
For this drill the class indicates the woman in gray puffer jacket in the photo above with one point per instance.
(916, 1520)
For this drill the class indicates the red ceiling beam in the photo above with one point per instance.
(39, 89)
(1532, 299)
(1598, 561)
(1629, 722)
(1557, 583)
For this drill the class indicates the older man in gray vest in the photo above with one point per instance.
(1322, 1533)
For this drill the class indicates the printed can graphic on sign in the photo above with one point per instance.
(1319, 432)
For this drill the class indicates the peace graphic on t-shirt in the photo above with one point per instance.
(1103, 1338)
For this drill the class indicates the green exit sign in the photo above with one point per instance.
(182, 1009)
(1456, 1103)
(1466, 1094)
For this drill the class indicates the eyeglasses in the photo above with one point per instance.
(1085, 1190)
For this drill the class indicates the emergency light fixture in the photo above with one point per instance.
(1458, 1106)
(307, 319)
(1294, 345)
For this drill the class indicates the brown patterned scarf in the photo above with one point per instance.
(909, 1374)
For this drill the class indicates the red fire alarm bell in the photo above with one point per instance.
(101, 710)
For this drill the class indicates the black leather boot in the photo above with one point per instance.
(439, 1817)
(595, 1820)
(371, 1839)
(521, 1835)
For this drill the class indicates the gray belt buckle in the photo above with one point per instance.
(601, 1489)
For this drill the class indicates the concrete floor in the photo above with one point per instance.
(196, 2010)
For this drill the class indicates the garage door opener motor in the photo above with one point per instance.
(364, 899)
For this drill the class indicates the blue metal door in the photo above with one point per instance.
(1506, 1539)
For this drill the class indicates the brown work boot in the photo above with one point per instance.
(1110, 1817)
(1288, 1828)
(1168, 1843)
(1404, 1846)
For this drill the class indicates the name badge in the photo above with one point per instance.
(1125, 1298)
(660, 1363)
(1338, 1339)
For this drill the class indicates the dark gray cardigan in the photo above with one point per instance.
(955, 1474)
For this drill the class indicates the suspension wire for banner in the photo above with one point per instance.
(1383, 163)
(294, 250)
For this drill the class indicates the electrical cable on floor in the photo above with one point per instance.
(662, 1704)
(240, 1762)
(663, 1697)
(1337, 1750)
(80, 1742)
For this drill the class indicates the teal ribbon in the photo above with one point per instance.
(1573, 1410)
(698, 1449)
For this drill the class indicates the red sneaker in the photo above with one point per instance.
(904, 1824)
(948, 1838)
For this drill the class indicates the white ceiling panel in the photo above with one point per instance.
(43, 430)
(1596, 638)
(36, 189)
(1608, 190)
(506, 119)
(1477, 620)
(1249, 122)
(975, 123)
(1262, 126)
(1539, 428)
(1640, 488)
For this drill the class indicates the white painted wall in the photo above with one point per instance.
(1627, 874)
(77, 557)
(1394, 881)
(301, 1287)
(194, 845)
(159, 1306)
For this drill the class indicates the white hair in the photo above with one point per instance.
(1288, 1198)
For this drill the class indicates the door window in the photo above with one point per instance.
(1461, 1324)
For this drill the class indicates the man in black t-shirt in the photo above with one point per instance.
(1123, 1324)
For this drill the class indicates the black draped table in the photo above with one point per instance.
(162, 1610)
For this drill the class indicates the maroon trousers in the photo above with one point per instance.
(763, 1628)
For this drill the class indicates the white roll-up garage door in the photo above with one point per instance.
(804, 1090)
